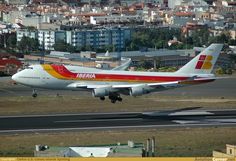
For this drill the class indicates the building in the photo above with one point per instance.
(48, 38)
(230, 152)
(113, 150)
(95, 20)
(9, 65)
(27, 33)
(18, 2)
(173, 3)
(95, 38)
(181, 18)
(98, 38)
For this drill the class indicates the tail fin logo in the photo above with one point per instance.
(204, 62)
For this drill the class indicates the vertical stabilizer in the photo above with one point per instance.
(204, 62)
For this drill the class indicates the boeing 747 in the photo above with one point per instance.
(114, 83)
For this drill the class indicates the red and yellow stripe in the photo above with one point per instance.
(61, 72)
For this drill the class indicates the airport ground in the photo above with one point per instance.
(177, 142)
(184, 141)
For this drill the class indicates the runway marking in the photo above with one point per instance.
(205, 120)
(97, 120)
(81, 114)
(112, 127)
(185, 122)
(223, 120)
(190, 113)
(108, 113)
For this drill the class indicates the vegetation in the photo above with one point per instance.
(220, 71)
(11, 41)
(63, 46)
(27, 45)
(141, 40)
(152, 38)
(158, 38)
(167, 69)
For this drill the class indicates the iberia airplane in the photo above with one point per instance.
(113, 83)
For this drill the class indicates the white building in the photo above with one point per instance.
(88, 152)
(19, 2)
(114, 19)
(27, 33)
(47, 38)
(173, 3)
(97, 38)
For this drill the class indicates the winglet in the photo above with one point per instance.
(125, 65)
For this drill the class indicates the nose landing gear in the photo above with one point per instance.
(34, 93)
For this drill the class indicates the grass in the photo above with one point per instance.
(71, 104)
(170, 142)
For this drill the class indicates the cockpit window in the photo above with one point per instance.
(29, 67)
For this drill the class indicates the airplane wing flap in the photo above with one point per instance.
(87, 86)
(164, 84)
(148, 85)
(77, 85)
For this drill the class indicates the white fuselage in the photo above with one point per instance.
(35, 76)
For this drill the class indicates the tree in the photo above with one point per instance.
(60, 46)
(27, 44)
(152, 38)
(219, 71)
(63, 46)
(199, 37)
(11, 41)
(224, 37)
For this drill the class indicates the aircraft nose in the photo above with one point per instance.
(15, 77)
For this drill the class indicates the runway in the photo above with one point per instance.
(218, 88)
(123, 120)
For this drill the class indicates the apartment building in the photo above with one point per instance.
(114, 19)
(101, 37)
(27, 33)
(96, 38)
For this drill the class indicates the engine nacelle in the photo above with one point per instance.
(138, 91)
(100, 92)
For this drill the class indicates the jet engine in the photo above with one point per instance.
(138, 91)
(100, 92)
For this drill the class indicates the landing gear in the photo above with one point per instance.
(34, 94)
(119, 99)
(102, 98)
(113, 101)
(115, 98)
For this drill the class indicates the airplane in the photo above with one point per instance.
(114, 83)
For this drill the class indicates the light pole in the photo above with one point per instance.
(119, 45)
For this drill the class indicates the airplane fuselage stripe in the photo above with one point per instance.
(61, 72)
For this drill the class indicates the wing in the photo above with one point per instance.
(143, 88)
(127, 89)
(125, 65)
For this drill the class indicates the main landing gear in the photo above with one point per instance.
(34, 93)
(102, 98)
(113, 98)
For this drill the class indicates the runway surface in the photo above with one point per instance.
(96, 121)
(218, 88)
